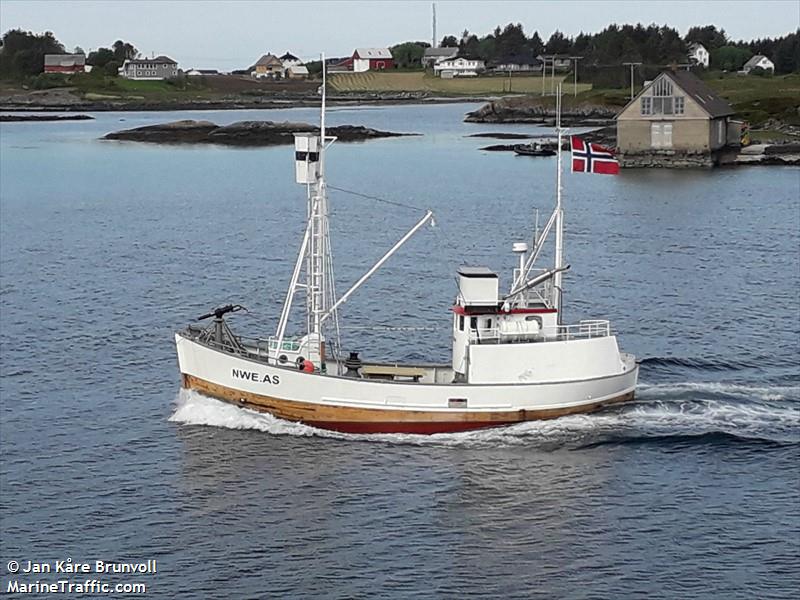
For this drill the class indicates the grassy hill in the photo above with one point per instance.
(757, 99)
(418, 81)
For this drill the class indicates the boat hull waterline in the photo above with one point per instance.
(352, 405)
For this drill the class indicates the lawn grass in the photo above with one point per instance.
(756, 99)
(419, 81)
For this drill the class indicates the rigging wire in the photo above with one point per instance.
(444, 238)
(376, 198)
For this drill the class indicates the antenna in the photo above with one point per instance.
(433, 40)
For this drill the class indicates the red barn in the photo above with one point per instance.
(372, 59)
(64, 63)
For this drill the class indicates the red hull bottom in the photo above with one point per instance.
(416, 428)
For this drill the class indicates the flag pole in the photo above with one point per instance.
(559, 252)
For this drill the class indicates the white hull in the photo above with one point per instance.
(355, 404)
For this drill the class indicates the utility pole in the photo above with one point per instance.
(433, 40)
(632, 64)
(575, 60)
(544, 70)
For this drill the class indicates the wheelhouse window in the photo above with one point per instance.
(461, 322)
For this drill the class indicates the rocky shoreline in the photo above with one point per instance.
(25, 118)
(63, 100)
(528, 110)
(242, 133)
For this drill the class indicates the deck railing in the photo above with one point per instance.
(591, 328)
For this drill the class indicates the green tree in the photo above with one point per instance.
(558, 44)
(100, 57)
(787, 53)
(707, 35)
(536, 44)
(124, 50)
(729, 58)
(23, 52)
(408, 55)
(511, 41)
(449, 41)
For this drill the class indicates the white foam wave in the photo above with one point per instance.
(192, 408)
(776, 392)
(644, 418)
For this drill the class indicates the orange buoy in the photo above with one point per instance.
(308, 366)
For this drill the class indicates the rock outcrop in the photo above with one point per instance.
(242, 133)
(532, 110)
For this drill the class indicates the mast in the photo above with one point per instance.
(559, 213)
(318, 250)
(315, 250)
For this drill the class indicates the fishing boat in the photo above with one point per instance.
(533, 149)
(513, 358)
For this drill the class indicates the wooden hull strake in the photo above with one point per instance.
(365, 420)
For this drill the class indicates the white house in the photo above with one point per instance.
(759, 61)
(160, 67)
(297, 72)
(448, 68)
(433, 55)
(201, 72)
(290, 60)
(698, 54)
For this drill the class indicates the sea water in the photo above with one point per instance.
(107, 248)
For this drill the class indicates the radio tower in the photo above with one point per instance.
(433, 40)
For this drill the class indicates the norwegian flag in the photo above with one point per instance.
(592, 158)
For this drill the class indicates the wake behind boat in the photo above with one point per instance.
(513, 359)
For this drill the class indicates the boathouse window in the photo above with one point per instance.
(662, 101)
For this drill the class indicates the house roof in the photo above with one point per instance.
(289, 56)
(439, 52)
(753, 62)
(695, 45)
(696, 89)
(63, 60)
(373, 53)
(269, 60)
(299, 69)
(165, 60)
(701, 93)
